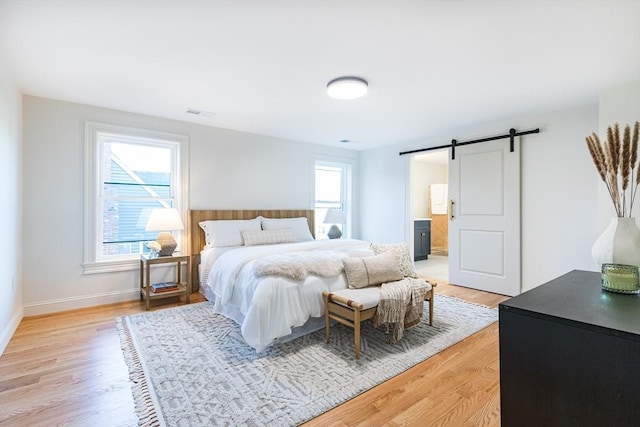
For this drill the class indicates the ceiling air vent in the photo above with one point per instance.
(200, 112)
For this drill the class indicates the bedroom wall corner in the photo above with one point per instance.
(11, 309)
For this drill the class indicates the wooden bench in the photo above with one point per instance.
(351, 307)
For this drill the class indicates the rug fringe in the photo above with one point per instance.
(142, 397)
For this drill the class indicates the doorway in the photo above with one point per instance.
(429, 198)
(482, 213)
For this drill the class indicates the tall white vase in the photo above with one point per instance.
(619, 244)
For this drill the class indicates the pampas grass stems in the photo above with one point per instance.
(625, 169)
(616, 161)
(634, 157)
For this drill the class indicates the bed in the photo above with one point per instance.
(272, 290)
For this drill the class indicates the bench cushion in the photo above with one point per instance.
(368, 297)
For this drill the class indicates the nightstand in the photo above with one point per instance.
(184, 287)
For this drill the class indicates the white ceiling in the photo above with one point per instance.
(262, 66)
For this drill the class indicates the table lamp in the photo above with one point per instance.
(165, 220)
(334, 216)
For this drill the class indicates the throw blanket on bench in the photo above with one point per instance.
(400, 305)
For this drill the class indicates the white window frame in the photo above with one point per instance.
(346, 192)
(94, 134)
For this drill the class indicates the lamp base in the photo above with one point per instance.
(334, 232)
(167, 243)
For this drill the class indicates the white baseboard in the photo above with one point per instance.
(64, 304)
(10, 329)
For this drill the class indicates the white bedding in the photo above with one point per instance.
(269, 308)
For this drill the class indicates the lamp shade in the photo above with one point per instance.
(164, 219)
(334, 216)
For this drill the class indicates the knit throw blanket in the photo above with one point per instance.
(400, 305)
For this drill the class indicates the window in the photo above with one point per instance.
(332, 190)
(129, 172)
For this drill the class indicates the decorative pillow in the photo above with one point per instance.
(267, 237)
(371, 270)
(220, 233)
(299, 227)
(401, 251)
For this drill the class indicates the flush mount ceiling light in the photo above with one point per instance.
(347, 87)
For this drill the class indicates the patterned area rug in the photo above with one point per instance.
(190, 367)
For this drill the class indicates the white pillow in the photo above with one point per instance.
(267, 237)
(223, 232)
(299, 227)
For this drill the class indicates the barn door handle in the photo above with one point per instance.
(451, 203)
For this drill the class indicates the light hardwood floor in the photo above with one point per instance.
(67, 369)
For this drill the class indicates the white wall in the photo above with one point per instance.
(621, 105)
(383, 195)
(558, 190)
(10, 207)
(425, 173)
(228, 170)
(235, 170)
(559, 197)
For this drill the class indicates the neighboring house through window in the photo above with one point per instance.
(332, 190)
(129, 172)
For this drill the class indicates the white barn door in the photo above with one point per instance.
(484, 217)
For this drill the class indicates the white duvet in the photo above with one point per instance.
(268, 308)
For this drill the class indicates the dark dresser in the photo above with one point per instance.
(570, 355)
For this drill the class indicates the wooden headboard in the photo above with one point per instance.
(196, 234)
